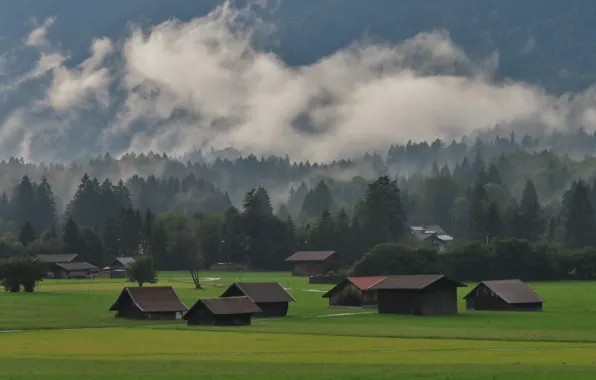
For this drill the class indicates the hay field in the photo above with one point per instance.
(70, 335)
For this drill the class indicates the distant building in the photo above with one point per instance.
(117, 268)
(512, 295)
(428, 294)
(313, 263)
(152, 302)
(270, 297)
(354, 292)
(73, 270)
(432, 235)
(60, 258)
(229, 311)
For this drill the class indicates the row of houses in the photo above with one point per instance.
(430, 295)
(70, 266)
(236, 306)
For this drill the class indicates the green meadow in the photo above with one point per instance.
(65, 331)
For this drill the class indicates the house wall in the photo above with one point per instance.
(485, 299)
(206, 318)
(272, 309)
(350, 295)
(169, 316)
(427, 302)
(309, 269)
(334, 262)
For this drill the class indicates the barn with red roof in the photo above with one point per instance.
(354, 292)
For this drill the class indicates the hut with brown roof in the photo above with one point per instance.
(229, 311)
(428, 294)
(270, 297)
(73, 270)
(504, 295)
(152, 302)
(354, 292)
(313, 263)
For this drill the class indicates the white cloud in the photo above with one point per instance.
(37, 37)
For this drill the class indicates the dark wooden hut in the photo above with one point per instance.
(313, 263)
(117, 268)
(73, 270)
(354, 292)
(152, 302)
(428, 294)
(270, 297)
(229, 311)
(512, 295)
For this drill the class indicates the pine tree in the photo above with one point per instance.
(282, 212)
(494, 176)
(265, 200)
(45, 204)
(71, 238)
(27, 234)
(580, 223)
(530, 213)
(478, 212)
(494, 224)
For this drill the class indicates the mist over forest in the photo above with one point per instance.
(127, 118)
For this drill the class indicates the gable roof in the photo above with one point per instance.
(365, 283)
(226, 306)
(412, 282)
(76, 266)
(123, 260)
(61, 258)
(152, 299)
(310, 256)
(362, 283)
(262, 292)
(511, 291)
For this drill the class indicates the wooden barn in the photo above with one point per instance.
(73, 270)
(428, 294)
(270, 297)
(354, 292)
(504, 295)
(313, 263)
(152, 302)
(229, 311)
(117, 268)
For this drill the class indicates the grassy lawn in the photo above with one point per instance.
(311, 342)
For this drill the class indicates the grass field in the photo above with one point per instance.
(68, 333)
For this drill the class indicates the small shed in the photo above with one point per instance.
(229, 311)
(313, 263)
(152, 302)
(74, 270)
(117, 268)
(512, 295)
(120, 263)
(354, 292)
(428, 294)
(270, 297)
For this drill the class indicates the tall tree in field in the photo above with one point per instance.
(530, 213)
(580, 223)
(142, 271)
